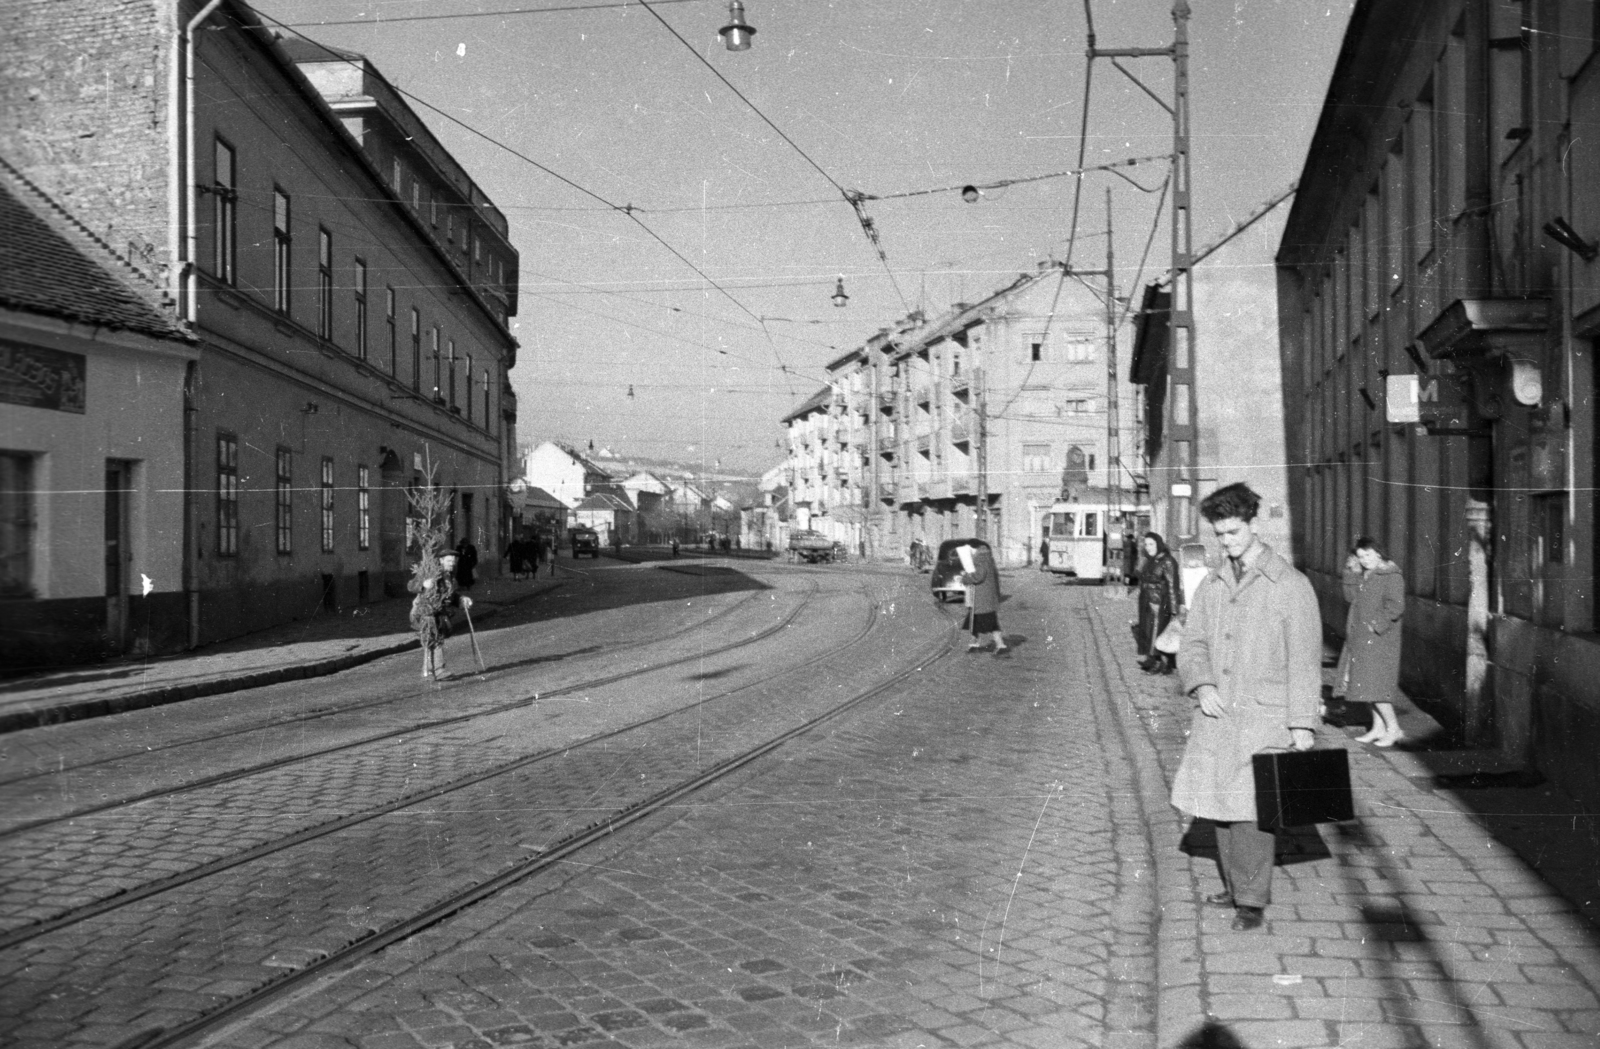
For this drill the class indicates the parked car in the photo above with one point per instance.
(946, 578)
(585, 541)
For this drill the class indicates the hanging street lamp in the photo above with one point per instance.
(737, 33)
(840, 299)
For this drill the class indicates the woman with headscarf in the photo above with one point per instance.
(1160, 599)
(1377, 594)
(983, 578)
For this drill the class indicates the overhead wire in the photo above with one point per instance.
(1083, 130)
(852, 197)
(490, 14)
(627, 210)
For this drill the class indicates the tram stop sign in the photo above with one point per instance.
(1434, 401)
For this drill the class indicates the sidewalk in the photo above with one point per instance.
(1441, 916)
(326, 643)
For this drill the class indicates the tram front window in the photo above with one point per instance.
(1062, 525)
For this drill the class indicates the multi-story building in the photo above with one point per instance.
(348, 286)
(1000, 404)
(1439, 306)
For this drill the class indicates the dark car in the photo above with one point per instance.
(585, 541)
(947, 569)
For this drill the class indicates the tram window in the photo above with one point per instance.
(1063, 525)
(1091, 524)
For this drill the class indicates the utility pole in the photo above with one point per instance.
(1181, 433)
(981, 519)
(1113, 408)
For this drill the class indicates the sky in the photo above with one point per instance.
(676, 276)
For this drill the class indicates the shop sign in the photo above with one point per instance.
(39, 378)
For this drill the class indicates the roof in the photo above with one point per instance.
(603, 501)
(815, 402)
(542, 499)
(51, 264)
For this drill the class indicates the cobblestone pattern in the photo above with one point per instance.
(182, 952)
(86, 760)
(959, 863)
(1409, 927)
(53, 869)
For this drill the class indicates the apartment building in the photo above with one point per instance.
(348, 286)
(998, 405)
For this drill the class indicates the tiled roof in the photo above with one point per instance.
(816, 401)
(53, 265)
(603, 501)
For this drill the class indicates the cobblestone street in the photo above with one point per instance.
(978, 852)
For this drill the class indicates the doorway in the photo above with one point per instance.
(118, 555)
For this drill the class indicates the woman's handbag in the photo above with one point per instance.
(1168, 640)
(1295, 788)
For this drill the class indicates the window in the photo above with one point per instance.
(451, 360)
(361, 309)
(1036, 458)
(1078, 406)
(285, 501)
(1422, 172)
(1080, 348)
(327, 505)
(450, 227)
(363, 509)
(416, 195)
(225, 201)
(1035, 344)
(16, 525)
(388, 320)
(324, 283)
(227, 495)
(488, 417)
(467, 375)
(433, 211)
(397, 174)
(416, 349)
(438, 368)
(281, 240)
(477, 249)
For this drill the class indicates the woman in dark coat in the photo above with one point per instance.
(1160, 598)
(1377, 594)
(984, 579)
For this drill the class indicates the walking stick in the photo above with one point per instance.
(473, 635)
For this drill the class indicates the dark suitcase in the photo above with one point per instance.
(1295, 788)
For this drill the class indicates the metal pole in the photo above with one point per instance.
(981, 518)
(1183, 427)
(1113, 407)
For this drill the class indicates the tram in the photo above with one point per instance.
(1077, 533)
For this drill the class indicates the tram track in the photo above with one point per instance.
(76, 915)
(234, 775)
(323, 713)
(559, 851)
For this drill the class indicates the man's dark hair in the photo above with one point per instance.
(1235, 500)
(1366, 542)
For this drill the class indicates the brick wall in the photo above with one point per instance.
(83, 113)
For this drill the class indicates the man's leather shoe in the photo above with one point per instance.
(1246, 919)
(1219, 899)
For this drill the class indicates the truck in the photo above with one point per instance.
(810, 547)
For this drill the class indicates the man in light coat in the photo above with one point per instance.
(1251, 658)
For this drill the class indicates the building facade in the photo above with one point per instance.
(1439, 305)
(973, 423)
(95, 379)
(348, 286)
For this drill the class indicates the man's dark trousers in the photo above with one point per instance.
(1245, 853)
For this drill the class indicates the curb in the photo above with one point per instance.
(82, 710)
(1178, 1004)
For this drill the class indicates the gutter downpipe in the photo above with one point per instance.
(181, 245)
(188, 170)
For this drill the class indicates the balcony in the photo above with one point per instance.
(960, 435)
(906, 490)
(961, 387)
(940, 488)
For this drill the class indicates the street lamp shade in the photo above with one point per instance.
(737, 33)
(839, 297)
(970, 194)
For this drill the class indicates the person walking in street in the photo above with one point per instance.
(1044, 554)
(984, 580)
(1377, 594)
(1160, 599)
(435, 587)
(1251, 658)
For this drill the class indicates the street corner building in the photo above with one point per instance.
(1439, 304)
(977, 422)
(333, 293)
